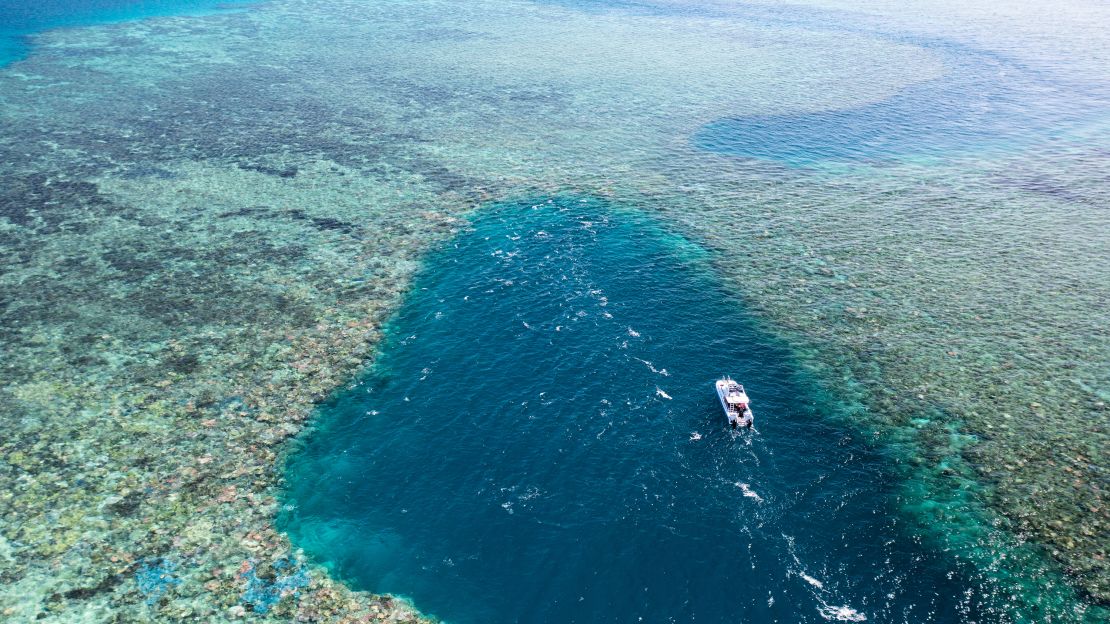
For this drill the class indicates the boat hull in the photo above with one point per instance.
(736, 418)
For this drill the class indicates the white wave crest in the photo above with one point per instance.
(812, 581)
(841, 614)
(748, 493)
(657, 371)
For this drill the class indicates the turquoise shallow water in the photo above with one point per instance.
(539, 441)
(22, 18)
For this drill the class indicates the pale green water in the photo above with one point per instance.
(200, 190)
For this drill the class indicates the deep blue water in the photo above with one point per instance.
(523, 449)
(985, 101)
(20, 18)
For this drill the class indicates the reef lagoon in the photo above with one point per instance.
(237, 248)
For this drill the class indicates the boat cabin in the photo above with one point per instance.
(734, 400)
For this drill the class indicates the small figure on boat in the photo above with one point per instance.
(735, 403)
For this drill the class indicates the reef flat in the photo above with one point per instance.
(206, 220)
(161, 342)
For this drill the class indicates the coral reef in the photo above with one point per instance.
(204, 222)
(148, 477)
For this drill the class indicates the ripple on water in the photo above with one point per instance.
(510, 457)
(21, 18)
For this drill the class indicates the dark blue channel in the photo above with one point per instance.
(986, 101)
(981, 104)
(539, 441)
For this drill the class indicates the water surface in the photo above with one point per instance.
(984, 102)
(539, 441)
(203, 222)
(22, 18)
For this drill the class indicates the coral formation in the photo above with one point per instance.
(204, 222)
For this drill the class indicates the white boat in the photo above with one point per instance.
(735, 403)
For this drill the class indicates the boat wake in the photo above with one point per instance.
(657, 371)
(830, 612)
(840, 614)
(748, 493)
